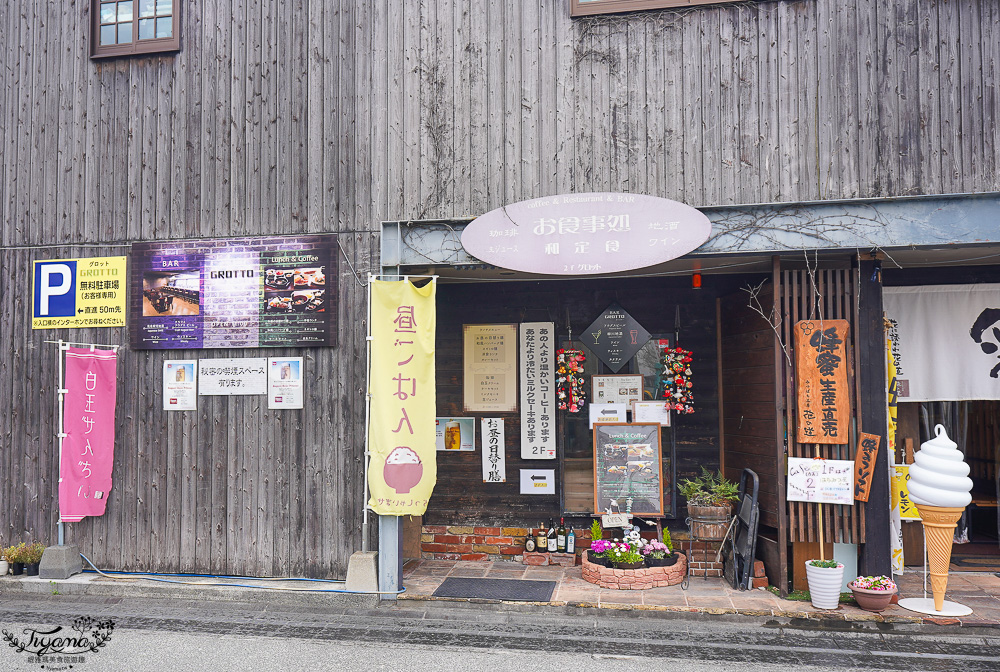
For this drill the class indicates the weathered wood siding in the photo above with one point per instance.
(312, 116)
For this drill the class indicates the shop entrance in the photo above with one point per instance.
(975, 427)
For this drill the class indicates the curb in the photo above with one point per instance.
(816, 618)
(11, 587)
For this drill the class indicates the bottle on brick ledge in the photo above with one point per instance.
(551, 537)
(561, 536)
(541, 542)
(529, 542)
(571, 541)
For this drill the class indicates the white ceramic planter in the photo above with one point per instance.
(4, 567)
(824, 585)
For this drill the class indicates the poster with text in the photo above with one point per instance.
(627, 465)
(824, 398)
(278, 291)
(538, 391)
(284, 382)
(820, 480)
(180, 385)
(231, 377)
(490, 371)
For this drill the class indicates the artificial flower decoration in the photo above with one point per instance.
(570, 390)
(676, 381)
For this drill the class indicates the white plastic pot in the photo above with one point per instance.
(824, 585)
(4, 568)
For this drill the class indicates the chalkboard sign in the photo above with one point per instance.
(627, 464)
(819, 480)
(615, 337)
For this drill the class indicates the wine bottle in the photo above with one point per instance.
(561, 536)
(551, 534)
(529, 542)
(571, 541)
(541, 543)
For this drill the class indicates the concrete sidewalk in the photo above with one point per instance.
(979, 591)
(705, 597)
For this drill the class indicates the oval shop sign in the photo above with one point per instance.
(586, 234)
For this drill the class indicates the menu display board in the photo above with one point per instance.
(278, 291)
(616, 389)
(615, 337)
(490, 373)
(824, 403)
(627, 464)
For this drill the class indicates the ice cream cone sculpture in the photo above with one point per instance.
(939, 486)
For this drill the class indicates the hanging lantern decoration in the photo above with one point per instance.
(570, 390)
(676, 380)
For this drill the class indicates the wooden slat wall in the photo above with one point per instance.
(749, 393)
(310, 116)
(821, 293)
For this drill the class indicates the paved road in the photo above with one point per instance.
(159, 635)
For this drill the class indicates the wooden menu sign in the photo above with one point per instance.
(864, 465)
(824, 401)
(627, 464)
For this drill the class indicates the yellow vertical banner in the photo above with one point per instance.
(402, 468)
(892, 396)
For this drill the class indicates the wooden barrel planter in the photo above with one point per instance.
(708, 522)
(634, 579)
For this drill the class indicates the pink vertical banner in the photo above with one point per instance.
(88, 449)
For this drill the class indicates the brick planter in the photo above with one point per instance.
(634, 579)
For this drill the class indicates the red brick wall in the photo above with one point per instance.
(462, 542)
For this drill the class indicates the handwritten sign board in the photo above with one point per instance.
(864, 465)
(627, 464)
(489, 382)
(494, 453)
(615, 337)
(901, 492)
(824, 402)
(818, 480)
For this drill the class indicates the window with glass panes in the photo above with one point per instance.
(134, 27)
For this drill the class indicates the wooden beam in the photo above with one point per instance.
(876, 551)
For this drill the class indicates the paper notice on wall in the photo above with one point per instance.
(819, 480)
(180, 385)
(284, 382)
(494, 452)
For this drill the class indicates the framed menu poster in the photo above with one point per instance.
(490, 372)
(627, 464)
(616, 389)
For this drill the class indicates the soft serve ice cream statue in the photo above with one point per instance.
(940, 487)
(939, 475)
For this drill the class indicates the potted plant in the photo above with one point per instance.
(14, 555)
(709, 498)
(873, 593)
(32, 557)
(624, 556)
(825, 577)
(598, 553)
(656, 554)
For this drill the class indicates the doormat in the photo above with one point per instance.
(496, 589)
(975, 563)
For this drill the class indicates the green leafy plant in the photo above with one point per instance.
(624, 553)
(596, 531)
(709, 489)
(666, 540)
(824, 564)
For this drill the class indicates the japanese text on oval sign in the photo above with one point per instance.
(821, 374)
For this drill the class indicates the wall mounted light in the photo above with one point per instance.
(696, 280)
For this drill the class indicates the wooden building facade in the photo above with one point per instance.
(281, 119)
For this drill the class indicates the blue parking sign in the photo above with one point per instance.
(55, 289)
